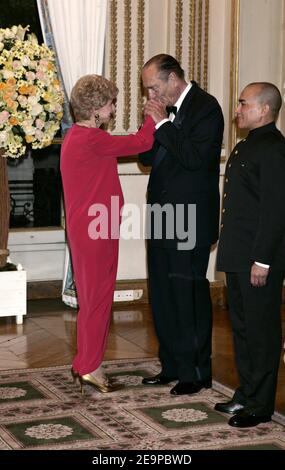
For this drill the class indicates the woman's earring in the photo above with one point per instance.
(97, 119)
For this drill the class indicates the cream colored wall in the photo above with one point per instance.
(219, 84)
(132, 253)
(261, 30)
(261, 58)
(132, 258)
(219, 56)
(261, 55)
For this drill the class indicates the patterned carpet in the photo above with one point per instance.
(43, 409)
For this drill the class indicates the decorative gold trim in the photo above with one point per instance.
(191, 60)
(113, 47)
(206, 44)
(234, 70)
(189, 15)
(178, 30)
(127, 63)
(200, 25)
(140, 58)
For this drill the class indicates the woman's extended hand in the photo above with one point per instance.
(156, 110)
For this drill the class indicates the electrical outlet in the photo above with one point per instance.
(138, 293)
(123, 295)
(127, 295)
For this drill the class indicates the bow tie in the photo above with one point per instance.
(171, 109)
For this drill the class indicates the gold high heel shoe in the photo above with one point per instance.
(75, 375)
(103, 386)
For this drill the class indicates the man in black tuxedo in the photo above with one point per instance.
(252, 253)
(185, 174)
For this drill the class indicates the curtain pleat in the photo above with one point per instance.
(78, 28)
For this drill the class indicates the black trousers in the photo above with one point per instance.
(182, 311)
(256, 323)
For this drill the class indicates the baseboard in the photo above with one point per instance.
(44, 290)
(52, 290)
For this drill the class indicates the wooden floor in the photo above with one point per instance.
(48, 337)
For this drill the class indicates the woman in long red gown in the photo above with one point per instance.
(90, 177)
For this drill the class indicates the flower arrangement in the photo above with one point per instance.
(31, 97)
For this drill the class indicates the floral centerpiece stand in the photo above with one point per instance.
(31, 102)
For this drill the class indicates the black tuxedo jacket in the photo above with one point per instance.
(185, 162)
(253, 221)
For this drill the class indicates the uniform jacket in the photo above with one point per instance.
(188, 173)
(253, 218)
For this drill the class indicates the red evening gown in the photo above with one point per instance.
(89, 174)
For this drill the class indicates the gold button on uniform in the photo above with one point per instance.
(230, 165)
(236, 152)
(222, 225)
(224, 210)
(225, 194)
(227, 180)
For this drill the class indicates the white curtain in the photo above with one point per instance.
(79, 33)
(78, 30)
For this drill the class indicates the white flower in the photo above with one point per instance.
(16, 64)
(23, 100)
(3, 137)
(36, 109)
(25, 60)
(39, 135)
(20, 33)
(7, 73)
(9, 34)
(30, 76)
(29, 130)
(40, 123)
(31, 98)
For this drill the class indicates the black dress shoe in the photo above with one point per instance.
(188, 388)
(158, 380)
(232, 407)
(248, 420)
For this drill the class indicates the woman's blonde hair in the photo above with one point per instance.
(89, 94)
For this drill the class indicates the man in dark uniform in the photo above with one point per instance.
(185, 162)
(252, 253)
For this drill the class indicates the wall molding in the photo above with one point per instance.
(52, 290)
(181, 29)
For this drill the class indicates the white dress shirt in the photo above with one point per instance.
(178, 104)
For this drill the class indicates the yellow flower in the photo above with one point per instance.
(13, 121)
(29, 138)
(27, 90)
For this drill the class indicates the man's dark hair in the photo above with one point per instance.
(269, 94)
(166, 64)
